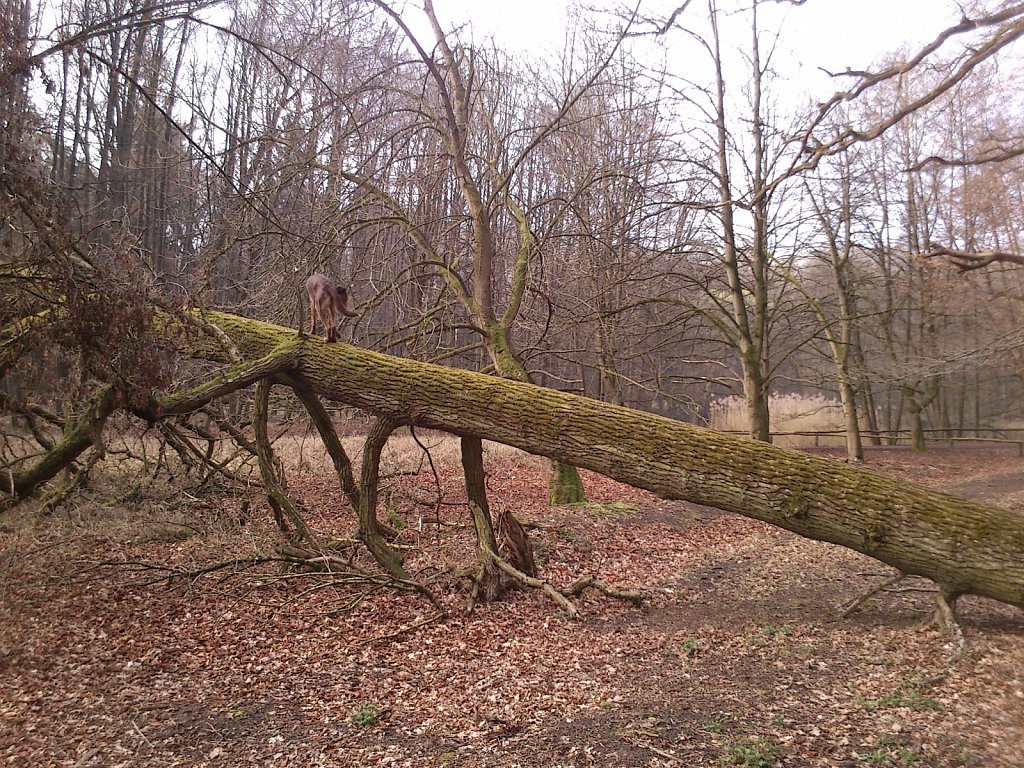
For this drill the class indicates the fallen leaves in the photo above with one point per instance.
(739, 648)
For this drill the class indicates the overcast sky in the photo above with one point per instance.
(834, 34)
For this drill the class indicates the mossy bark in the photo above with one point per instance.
(369, 528)
(273, 475)
(322, 421)
(85, 433)
(964, 546)
(565, 486)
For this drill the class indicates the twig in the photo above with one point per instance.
(87, 757)
(661, 752)
(857, 602)
(437, 479)
(144, 737)
(324, 561)
(439, 616)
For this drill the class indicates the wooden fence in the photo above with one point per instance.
(897, 437)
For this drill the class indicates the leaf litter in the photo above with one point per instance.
(738, 657)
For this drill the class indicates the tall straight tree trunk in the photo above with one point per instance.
(756, 397)
(848, 398)
(748, 314)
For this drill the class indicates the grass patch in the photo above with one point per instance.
(890, 751)
(614, 509)
(751, 753)
(365, 714)
(909, 696)
(692, 647)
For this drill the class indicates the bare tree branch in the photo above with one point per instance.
(967, 261)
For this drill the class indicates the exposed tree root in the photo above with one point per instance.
(577, 587)
(439, 616)
(532, 581)
(561, 596)
(169, 574)
(338, 557)
(944, 619)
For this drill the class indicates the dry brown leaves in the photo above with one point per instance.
(738, 659)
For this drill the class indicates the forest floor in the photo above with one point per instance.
(738, 657)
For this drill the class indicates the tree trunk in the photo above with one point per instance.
(489, 584)
(916, 408)
(964, 546)
(369, 528)
(565, 486)
(756, 398)
(848, 397)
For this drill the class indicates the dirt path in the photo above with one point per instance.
(1005, 489)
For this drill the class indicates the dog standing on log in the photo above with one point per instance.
(328, 302)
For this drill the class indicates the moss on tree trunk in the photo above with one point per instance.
(565, 486)
(964, 546)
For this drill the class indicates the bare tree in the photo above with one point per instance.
(833, 207)
(468, 106)
(743, 246)
(984, 32)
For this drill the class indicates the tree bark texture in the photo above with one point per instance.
(964, 546)
(489, 582)
(85, 433)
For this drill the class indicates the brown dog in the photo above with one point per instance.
(328, 302)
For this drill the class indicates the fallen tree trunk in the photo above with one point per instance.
(963, 546)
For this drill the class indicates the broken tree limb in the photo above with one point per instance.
(581, 584)
(848, 609)
(272, 473)
(85, 432)
(966, 547)
(369, 527)
(241, 376)
(322, 421)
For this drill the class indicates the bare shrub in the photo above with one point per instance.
(789, 413)
(305, 452)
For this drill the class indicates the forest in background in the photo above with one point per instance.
(606, 223)
(192, 569)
